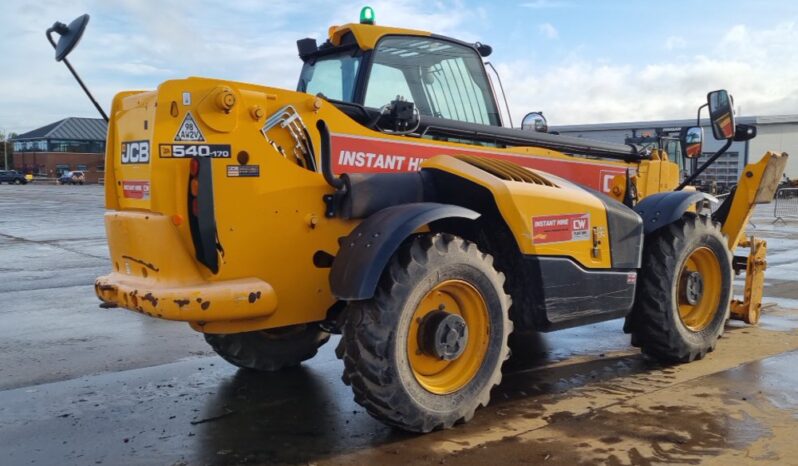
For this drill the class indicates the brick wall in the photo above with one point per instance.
(47, 163)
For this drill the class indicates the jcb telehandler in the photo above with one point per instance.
(385, 200)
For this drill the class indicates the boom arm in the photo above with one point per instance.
(757, 185)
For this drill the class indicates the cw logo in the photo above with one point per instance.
(580, 224)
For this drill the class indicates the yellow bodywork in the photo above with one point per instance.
(757, 185)
(750, 307)
(519, 203)
(271, 226)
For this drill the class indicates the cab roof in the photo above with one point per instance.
(367, 35)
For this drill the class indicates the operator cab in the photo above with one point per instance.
(377, 72)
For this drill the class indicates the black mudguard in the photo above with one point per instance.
(663, 209)
(365, 252)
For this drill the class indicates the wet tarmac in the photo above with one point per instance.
(81, 385)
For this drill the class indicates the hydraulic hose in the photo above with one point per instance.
(326, 157)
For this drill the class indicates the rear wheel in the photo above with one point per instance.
(684, 291)
(269, 350)
(426, 350)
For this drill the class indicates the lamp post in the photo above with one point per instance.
(5, 150)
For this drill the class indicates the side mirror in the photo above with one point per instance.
(484, 49)
(692, 140)
(70, 36)
(535, 121)
(721, 114)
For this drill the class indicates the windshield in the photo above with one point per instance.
(444, 79)
(333, 76)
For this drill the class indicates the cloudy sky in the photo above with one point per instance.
(578, 61)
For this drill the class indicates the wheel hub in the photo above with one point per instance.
(693, 287)
(443, 335)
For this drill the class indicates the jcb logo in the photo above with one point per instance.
(136, 152)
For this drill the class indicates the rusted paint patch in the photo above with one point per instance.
(205, 305)
(181, 302)
(144, 263)
(254, 297)
(151, 299)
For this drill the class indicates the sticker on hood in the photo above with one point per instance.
(189, 130)
(560, 228)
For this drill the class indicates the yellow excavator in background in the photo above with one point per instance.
(385, 200)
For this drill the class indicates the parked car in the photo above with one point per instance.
(12, 177)
(75, 177)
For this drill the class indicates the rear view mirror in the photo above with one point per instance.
(484, 49)
(70, 36)
(692, 140)
(721, 114)
(535, 121)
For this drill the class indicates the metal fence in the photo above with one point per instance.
(785, 204)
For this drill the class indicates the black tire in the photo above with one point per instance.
(17, 181)
(655, 323)
(269, 350)
(374, 345)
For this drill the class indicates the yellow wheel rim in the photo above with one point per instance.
(699, 289)
(437, 375)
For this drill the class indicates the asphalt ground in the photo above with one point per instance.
(83, 385)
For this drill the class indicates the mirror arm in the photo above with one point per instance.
(50, 31)
(504, 96)
(703, 167)
(698, 116)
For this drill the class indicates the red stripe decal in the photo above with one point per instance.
(354, 154)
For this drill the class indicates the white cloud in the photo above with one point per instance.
(759, 67)
(548, 31)
(136, 44)
(675, 42)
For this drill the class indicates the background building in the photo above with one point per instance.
(66, 145)
(778, 133)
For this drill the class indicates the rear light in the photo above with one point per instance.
(193, 186)
(201, 220)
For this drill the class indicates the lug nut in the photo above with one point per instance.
(256, 112)
(225, 99)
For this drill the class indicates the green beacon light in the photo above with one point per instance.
(367, 15)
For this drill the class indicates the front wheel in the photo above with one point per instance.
(683, 291)
(426, 350)
(269, 350)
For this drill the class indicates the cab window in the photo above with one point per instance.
(334, 77)
(444, 79)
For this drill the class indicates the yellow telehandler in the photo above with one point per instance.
(385, 200)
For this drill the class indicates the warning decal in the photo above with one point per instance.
(136, 189)
(189, 131)
(560, 228)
